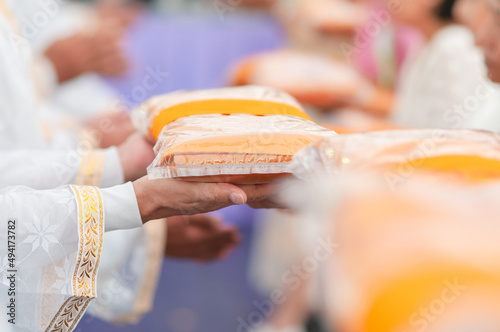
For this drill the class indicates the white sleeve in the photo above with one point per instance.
(51, 245)
(129, 273)
(44, 71)
(132, 257)
(42, 169)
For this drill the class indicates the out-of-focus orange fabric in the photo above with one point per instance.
(461, 167)
(311, 78)
(422, 257)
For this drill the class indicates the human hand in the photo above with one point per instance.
(122, 13)
(81, 53)
(263, 196)
(200, 237)
(136, 154)
(107, 53)
(163, 198)
(112, 129)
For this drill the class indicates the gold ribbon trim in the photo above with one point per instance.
(91, 167)
(91, 230)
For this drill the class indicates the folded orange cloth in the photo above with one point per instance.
(238, 135)
(399, 154)
(310, 78)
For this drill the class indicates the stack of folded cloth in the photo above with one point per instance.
(237, 135)
(468, 155)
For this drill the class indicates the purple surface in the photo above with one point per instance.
(196, 53)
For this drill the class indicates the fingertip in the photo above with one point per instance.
(238, 198)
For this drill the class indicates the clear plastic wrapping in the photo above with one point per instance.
(399, 154)
(226, 145)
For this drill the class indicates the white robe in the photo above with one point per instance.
(19, 129)
(445, 86)
(58, 239)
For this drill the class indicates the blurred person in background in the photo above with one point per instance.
(379, 51)
(483, 16)
(384, 54)
(476, 16)
(445, 84)
(73, 47)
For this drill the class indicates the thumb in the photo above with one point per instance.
(226, 193)
(237, 195)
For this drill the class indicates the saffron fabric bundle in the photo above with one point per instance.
(313, 79)
(238, 135)
(468, 155)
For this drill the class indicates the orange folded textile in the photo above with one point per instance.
(468, 155)
(237, 135)
(310, 78)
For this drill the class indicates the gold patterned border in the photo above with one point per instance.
(91, 230)
(69, 315)
(91, 167)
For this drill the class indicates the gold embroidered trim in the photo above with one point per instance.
(91, 216)
(91, 230)
(69, 315)
(91, 167)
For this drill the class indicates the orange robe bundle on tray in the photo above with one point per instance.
(468, 155)
(313, 79)
(414, 216)
(237, 135)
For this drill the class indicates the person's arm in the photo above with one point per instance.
(56, 237)
(51, 250)
(42, 169)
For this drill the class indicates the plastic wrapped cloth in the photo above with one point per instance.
(400, 154)
(420, 258)
(311, 78)
(238, 135)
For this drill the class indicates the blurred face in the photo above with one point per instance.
(413, 12)
(487, 35)
(466, 12)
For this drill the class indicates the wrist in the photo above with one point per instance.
(149, 206)
(144, 202)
